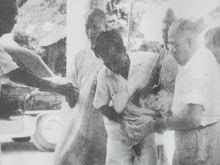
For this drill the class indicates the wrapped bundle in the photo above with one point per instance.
(168, 73)
(161, 102)
(137, 86)
(139, 122)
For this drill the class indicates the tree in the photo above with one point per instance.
(97, 4)
(36, 19)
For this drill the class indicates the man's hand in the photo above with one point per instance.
(134, 111)
(111, 114)
(160, 125)
(70, 92)
(138, 128)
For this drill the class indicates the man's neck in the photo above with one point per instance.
(125, 71)
(188, 57)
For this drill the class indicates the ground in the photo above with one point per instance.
(23, 154)
(27, 154)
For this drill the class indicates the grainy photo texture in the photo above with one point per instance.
(109, 82)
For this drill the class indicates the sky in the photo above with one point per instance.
(151, 23)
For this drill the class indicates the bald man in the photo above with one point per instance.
(84, 139)
(195, 110)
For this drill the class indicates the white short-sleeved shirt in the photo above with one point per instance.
(198, 82)
(6, 62)
(113, 87)
(6, 66)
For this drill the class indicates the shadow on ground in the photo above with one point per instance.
(7, 147)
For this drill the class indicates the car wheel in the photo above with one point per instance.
(23, 139)
(48, 128)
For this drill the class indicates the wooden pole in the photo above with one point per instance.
(130, 24)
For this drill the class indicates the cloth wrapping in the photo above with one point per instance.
(139, 124)
(137, 128)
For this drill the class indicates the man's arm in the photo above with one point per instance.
(191, 118)
(27, 78)
(102, 99)
(135, 111)
(110, 113)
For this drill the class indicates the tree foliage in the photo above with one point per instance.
(36, 20)
(117, 12)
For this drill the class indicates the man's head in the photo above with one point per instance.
(95, 23)
(8, 12)
(212, 42)
(183, 40)
(110, 48)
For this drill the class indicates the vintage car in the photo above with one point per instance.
(27, 113)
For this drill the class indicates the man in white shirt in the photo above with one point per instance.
(117, 82)
(195, 110)
(84, 139)
(6, 63)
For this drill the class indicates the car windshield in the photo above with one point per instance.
(29, 60)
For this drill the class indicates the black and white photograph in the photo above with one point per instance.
(109, 82)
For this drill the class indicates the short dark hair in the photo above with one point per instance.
(97, 13)
(105, 41)
(8, 12)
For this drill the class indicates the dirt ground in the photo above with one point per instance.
(13, 153)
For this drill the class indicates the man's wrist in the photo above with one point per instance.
(53, 86)
(160, 125)
(153, 126)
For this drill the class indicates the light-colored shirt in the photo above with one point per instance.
(85, 120)
(198, 82)
(113, 87)
(6, 65)
(82, 66)
(6, 62)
